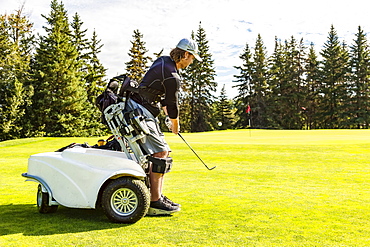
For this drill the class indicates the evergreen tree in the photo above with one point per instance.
(359, 111)
(301, 85)
(80, 40)
(96, 71)
(260, 86)
(93, 71)
(59, 103)
(223, 111)
(95, 82)
(16, 46)
(199, 85)
(312, 89)
(137, 66)
(82, 45)
(334, 70)
(244, 86)
(285, 94)
(343, 92)
(292, 97)
(277, 76)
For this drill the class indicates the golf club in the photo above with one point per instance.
(196, 153)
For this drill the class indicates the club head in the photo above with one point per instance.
(211, 168)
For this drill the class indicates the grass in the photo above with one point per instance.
(270, 188)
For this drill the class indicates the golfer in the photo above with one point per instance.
(158, 90)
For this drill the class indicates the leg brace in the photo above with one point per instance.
(160, 165)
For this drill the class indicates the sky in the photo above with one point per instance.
(229, 25)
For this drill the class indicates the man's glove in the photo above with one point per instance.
(168, 122)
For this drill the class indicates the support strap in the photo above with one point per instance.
(160, 165)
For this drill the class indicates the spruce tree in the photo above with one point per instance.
(285, 93)
(301, 85)
(260, 86)
(199, 85)
(334, 70)
(96, 71)
(59, 103)
(244, 87)
(137, 66)
(95, 82)
(277, 76)
(359, 110)
(291, 92)
(343, 92)
(93, 72)
(16, 47)
(79, 39)
(312, 89)
(82, 45)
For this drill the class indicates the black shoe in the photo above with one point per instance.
(161, 207)
(166, 199)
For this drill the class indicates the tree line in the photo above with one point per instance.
(48, 83)
(295, 89)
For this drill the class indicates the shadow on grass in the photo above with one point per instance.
(25, 219)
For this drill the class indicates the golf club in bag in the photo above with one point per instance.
(196, 153)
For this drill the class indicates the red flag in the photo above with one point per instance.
(248, 110)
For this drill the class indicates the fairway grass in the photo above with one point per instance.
(270, 188)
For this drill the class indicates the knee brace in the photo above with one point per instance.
(160, 165)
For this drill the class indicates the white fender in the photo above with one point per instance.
(76, 175)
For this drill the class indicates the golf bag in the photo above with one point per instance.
(129, 127)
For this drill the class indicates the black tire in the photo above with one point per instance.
(43, 202)
(125, 200)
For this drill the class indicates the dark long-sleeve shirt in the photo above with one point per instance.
(163, 77)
